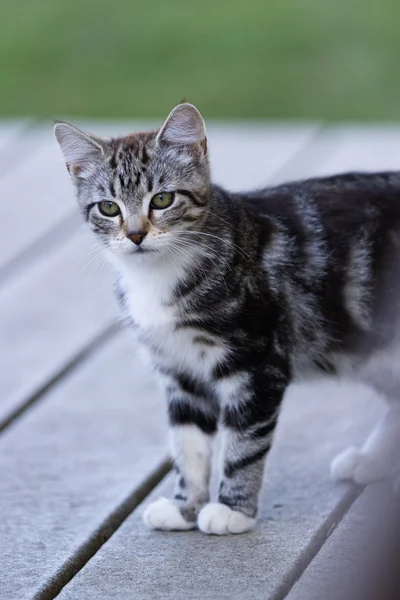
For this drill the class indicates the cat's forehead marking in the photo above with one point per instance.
(134, 146)
(130, 158)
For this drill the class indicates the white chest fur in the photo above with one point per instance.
(149, 300)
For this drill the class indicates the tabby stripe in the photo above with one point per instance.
(145, 157)
(189, 218)
(264, 430)
(232, 467)
(113, 161)
(205, 341)
(191, 196)
(189, 385)
(88, 208)
(243, 415)
(137, 180)
(204, 324)
(190, 283)
(180, 497)
(182, 413)
(233, 488)
(233, 499)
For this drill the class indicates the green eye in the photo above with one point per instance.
(162, 200)
(109, 209)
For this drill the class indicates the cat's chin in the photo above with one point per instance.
(140, 251)
(131, 257)
(135, 252)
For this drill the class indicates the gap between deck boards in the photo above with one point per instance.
(103, 533)
(110, 526)
(84, 354)
(332, 522)
(56, 237)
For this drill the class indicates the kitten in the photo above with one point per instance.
(234, 296)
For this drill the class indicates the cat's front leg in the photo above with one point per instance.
(193, 423)
(249, 416)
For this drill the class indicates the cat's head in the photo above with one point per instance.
(141, 193)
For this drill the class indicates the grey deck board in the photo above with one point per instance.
(48, 316)
(364, 148)
(348, 147)
(360, 560)
(299, 506)
(14, 142)
(9, 130)
(248, 157)
(68, 466)
(43, 198)
(73, 449)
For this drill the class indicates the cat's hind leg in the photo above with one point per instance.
(379, 458)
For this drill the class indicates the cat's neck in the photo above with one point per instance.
(157, 277)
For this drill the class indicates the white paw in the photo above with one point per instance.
(165, 515)
(343, 465)
(360, 467)
(220, 519)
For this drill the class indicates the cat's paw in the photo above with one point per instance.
(219, 519)
(164, 514)
(358, 466)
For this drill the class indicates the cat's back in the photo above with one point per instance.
(350, 222)
(341, 202)
(342, 269)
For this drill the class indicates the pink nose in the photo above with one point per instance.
(137, 237)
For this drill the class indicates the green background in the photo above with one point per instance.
(307, 59)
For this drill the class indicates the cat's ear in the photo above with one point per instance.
(82, 151)
(184, 126)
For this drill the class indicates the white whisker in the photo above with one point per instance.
(207, 255)
(223, 240)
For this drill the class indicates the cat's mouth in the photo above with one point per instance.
(142, 250)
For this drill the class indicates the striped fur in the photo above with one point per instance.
(234, 296)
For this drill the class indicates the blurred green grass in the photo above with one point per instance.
(305, 59)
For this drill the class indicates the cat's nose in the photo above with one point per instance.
(137, 237)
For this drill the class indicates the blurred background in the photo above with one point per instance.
(308, 59)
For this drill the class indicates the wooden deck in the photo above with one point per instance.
(82, 427)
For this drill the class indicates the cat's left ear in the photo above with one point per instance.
(82, 151)
(183, 127)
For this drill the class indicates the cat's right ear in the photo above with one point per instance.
(82, 151)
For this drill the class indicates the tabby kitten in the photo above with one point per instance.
(236, 295)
